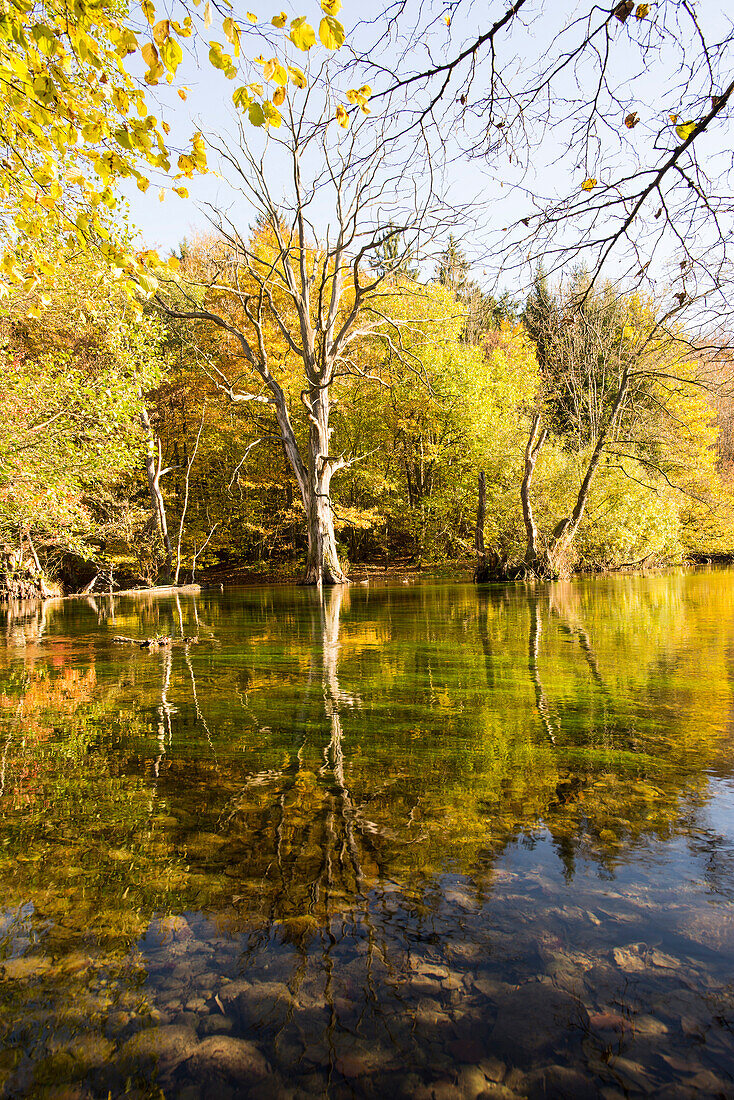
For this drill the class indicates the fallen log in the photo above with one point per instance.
(153, 643)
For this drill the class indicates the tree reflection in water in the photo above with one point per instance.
(352, 845)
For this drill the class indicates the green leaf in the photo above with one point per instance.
(256, 115)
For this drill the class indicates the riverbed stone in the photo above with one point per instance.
(167, 1046)
(228, 1057)
(535, 1020)
(560, 1083)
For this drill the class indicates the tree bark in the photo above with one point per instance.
(153, 465)
(553, 563)
(535, 442)
(322, 562)
(565, 531)
(481, 573)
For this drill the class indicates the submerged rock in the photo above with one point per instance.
(560, 1083)
(225, 1056)
(536, 1020)
(166, 1046)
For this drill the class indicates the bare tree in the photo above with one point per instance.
(328, 199)
(155, 471)
(607, 128)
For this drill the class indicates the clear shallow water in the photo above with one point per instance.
(418, 841)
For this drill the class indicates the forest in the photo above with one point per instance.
(338, 374)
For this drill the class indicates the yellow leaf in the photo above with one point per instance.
(207, 14)
(685, 129)
(171, 54)
(173, 261)
(182, 93)
(331, 7)
(588, 184)
(166, 128)
(150, 55)
(269, 68)
(251, 17)
(272, 115)
(642, 11)
(331, 33)
(161, 31)
(279, 20)
(279, 97)
(232, 32)
(342, 117)
(182, 191)
(447, 20)
(673, 118)
(218, 58)
(302, 35)
(148, 11)
(297, 76)
(241, 99)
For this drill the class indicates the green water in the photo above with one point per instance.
(421, 841)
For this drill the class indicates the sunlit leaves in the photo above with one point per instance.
(232, 33)
(331, 33)
(342, 117)
(273, 70)
(297, 76)
(302, 34)
(588, 184)
(80, 105)
(221, 60)
(271, 114)
(256, 115)
(685, 129)
(171, 54)
(359, 97)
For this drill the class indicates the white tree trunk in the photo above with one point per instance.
(153, 471)
(322, 563)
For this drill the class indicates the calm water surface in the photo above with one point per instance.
(420, 841)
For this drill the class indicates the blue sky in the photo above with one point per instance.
(492, 186)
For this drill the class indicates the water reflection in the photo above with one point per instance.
(425, 842)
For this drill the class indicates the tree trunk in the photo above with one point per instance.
(322, 562)
(565, 531)
(481, 573)
(153, 471)
(554, 561)
(535, 442)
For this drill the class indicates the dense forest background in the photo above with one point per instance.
(122, 455)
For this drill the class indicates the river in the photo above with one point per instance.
(422, 841)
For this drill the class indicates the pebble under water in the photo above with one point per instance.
(424, 841)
